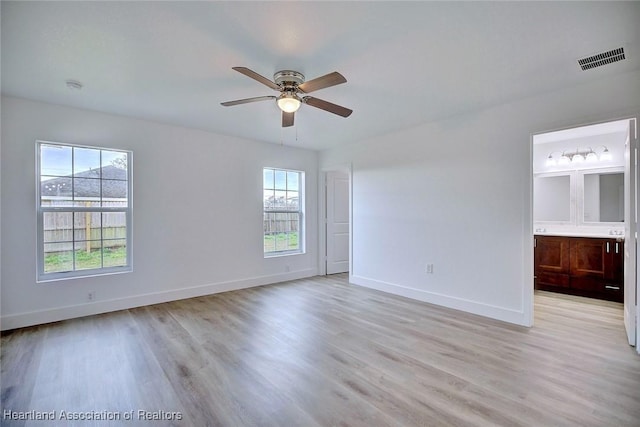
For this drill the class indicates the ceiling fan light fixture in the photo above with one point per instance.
(291, 84)
(289, 103)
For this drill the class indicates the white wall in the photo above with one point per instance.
(197, 213)
(457, 194)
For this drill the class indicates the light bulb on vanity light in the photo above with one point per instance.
(606, 155)
(551, 161)
(591, 157)
(564, 160)
(577, 158)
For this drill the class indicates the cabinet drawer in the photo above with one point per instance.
(554, 279)
(597, 285)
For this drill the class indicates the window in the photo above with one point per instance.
(84, 210)
(283, 201)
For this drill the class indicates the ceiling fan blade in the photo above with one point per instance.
(250, 73)
(247, 100)
(328, 80)
(327, 106)
(287, 119)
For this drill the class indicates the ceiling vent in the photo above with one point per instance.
(600, 59)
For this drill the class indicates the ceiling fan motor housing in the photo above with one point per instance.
(288, 78)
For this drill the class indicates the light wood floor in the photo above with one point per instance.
(321, 352)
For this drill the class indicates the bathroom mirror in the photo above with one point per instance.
(604, 197)
(552, 198)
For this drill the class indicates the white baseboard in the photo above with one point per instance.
(22, 320)
(493, 312)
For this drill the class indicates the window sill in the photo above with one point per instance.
(58, 277)
(282, 254)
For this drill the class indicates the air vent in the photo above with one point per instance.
(600, 59)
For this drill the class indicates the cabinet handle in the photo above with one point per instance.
(535, 242)
(617, 247)
(607, 247)
(615, 288)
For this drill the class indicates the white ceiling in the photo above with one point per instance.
(619, 128)
(406, 63)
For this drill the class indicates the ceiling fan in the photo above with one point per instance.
(291, 84)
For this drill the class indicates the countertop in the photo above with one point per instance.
(601, 235)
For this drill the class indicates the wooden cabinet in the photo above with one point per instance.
(591, 267)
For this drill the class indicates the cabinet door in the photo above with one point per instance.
(551, 262)
(590, 257)
(551, 254)
(615, 270)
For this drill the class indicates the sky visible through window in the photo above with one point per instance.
(284, 180)
(56, 161)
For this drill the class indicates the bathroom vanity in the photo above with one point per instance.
(579, 232)
(586, 266)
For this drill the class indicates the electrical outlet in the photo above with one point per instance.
(91, 295)
(429, 268)
(287, 268)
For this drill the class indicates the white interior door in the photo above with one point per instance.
(337, 215)
(630, 248)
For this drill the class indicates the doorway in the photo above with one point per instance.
(585, 187)
(335, 214)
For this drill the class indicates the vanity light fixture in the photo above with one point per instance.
(551, 161)
(564, 159)
(606, 155)
(578, 156)
(591, 157)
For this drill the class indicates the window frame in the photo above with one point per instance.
(300, 212)
(41, 275)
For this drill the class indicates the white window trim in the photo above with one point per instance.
(301, 217)
(41, 276)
